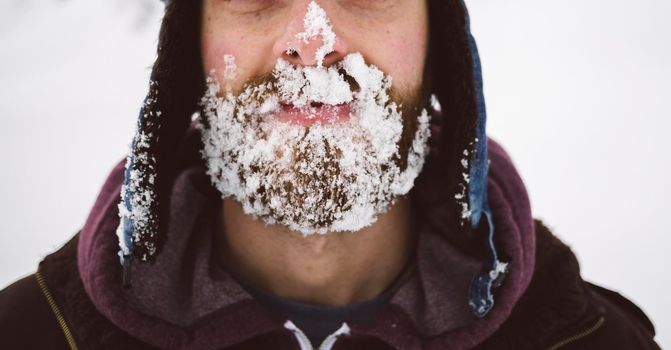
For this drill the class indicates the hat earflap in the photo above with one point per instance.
(176, 85)
(138, 209)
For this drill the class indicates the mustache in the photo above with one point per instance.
(271, 84)
(410, 105)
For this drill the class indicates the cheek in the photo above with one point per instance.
(252, 55)
(214, 50)
(404, 55)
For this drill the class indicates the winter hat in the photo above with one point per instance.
(458, 143)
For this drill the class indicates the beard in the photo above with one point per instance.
(326, 176)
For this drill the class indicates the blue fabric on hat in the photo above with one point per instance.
(481, 298)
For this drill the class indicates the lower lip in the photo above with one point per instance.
(306, 116)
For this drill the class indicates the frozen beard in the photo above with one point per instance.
(325, 176)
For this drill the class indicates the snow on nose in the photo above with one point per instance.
(317, 39)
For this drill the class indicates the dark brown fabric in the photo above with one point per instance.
(26, 320)
(557, 305)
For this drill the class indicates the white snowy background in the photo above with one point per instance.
(578, 91)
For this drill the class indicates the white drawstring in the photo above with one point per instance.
(303, 340)
(327, 344)
(305, 343)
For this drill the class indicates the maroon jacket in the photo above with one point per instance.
(75, 299)
(559, 310)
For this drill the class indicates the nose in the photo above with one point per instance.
(309, 38)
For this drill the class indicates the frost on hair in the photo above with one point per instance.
(325, 177)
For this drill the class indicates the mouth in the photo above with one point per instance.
(314, 113)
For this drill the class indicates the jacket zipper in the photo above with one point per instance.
(580, 335)
(54, 308)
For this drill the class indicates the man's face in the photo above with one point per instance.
(312, 113)
(391, 34)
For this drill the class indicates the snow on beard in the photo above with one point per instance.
(316, 178)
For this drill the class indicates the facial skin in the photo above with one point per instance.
(336, 268)
(391, 34)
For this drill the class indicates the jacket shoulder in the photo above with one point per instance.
(28, 310)
(26, 318)
(89, 328)
(559, 310)
(622, 324)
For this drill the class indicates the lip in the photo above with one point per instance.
(313, 113)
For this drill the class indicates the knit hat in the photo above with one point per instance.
(458, 142)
